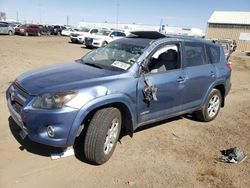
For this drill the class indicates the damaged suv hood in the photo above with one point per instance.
(64, 77)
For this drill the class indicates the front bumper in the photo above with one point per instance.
(76, 40)
(34, 122)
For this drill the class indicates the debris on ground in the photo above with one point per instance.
(130, 183)
(174, 136)
(232, 155)
(66, 153)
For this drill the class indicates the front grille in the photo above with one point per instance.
(18, 107)
(74, 35)
(18, 96)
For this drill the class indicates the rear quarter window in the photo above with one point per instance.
(213, 53)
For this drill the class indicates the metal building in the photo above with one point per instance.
(230, 25)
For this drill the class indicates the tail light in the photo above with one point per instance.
(229, 65)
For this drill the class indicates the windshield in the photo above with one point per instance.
(103, 32)
(118, 56)
(84, 29)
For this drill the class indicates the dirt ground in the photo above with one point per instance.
(179, 152)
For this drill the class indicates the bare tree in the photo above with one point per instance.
(2, 16)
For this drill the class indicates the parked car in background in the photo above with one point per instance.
(56, 30)
(102, 38)
(45, 29)
(28, 29)
(232, 43)
(14, 26)
(68, 31)
(131, 82)
(79, 36)
(229, 46)
(5, 28)
(226, 47)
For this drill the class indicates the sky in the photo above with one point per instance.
(183, 13)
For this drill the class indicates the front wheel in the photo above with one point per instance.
(104, 44)
(211, 108)
(102, 135)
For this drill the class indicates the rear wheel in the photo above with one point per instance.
(102, 135)
(211, 108)
(10, 33)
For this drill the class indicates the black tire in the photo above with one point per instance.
(204, 114)
(10, 33)
(97, 135)
(104, 44)
(88, 46)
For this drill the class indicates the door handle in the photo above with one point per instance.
(181, 79)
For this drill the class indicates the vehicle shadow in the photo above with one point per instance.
(190, 117)
(88, 48)
(44, 150)
(28, 145)
(75, 43)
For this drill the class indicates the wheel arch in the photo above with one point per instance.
(221, 87)
(87, 111)
(222, 90)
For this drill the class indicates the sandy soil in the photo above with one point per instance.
(179, 152)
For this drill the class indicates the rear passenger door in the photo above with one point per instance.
(200, 74)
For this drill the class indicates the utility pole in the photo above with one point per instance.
(67, 20)
(17, 16)
(40, 15)
(117, 14)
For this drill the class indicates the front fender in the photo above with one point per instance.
(94, 104)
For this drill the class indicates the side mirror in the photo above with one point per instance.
(145, 66)
(112, 36)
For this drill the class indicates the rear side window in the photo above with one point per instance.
(194, 54)
(213, 53)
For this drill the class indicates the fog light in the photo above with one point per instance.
(50, 131)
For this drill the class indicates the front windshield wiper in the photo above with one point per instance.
(94, 65)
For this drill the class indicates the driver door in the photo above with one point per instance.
(166, 78)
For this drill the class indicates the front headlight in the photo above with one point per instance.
(52, 100)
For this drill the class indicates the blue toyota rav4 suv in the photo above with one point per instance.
(137, 80)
